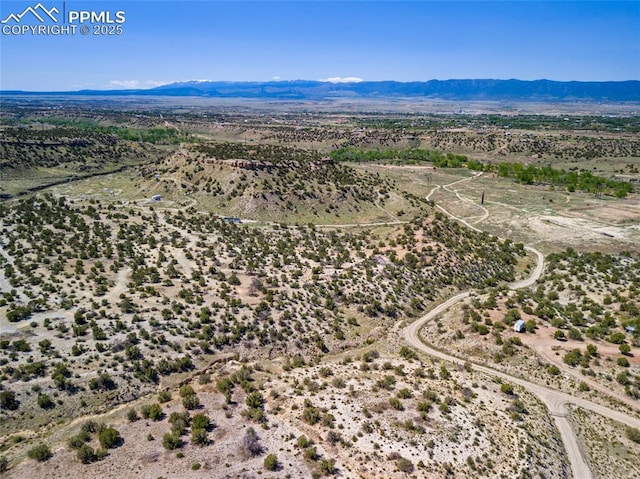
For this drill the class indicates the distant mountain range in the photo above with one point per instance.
(496, 90)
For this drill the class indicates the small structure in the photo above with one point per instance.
(519, 327)
(630, 329)
(232, 219)
(156, 197)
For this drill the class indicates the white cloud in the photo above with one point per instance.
(342, 79)
(275, 78)
(154, 83)
(136, 83)
(124, 83)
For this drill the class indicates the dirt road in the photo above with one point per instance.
(555, 401)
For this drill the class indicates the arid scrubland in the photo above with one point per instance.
(223, 295)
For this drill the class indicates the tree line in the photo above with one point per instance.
(523, 173)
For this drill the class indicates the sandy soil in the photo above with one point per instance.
(476, 425)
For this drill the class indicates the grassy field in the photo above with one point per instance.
(543, 215)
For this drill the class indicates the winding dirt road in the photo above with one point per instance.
(555, 401)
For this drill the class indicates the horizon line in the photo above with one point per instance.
(328, 81)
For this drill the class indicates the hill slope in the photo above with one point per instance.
(274, 183)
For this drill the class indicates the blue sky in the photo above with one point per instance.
(167, 41)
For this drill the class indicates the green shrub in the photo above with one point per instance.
(592, 350)
(152, 411)
(311, 454)
(164, 396)
(179, 416)
(8, 400)
(179, 427)
(92, 426)
(186, 390)
(338, 383)
(408, 353)
(623, 362)
(633, 434)
(616, 338)
(311, 415)
(328, 420)
(45, 401)
(572, 358)
(191, 401)
(327, 466)
(553, 370)
(200, 421)
(302, 442)
(404, 393)
(109, 438)
(507, 389)
(41, 452)
(225, 386)
(171, 441)
(199, 436)
(255, 400)
(271, 462)
(132, 415)
(76, 442)
(405, 465)
(86, 454)
(155, 412)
